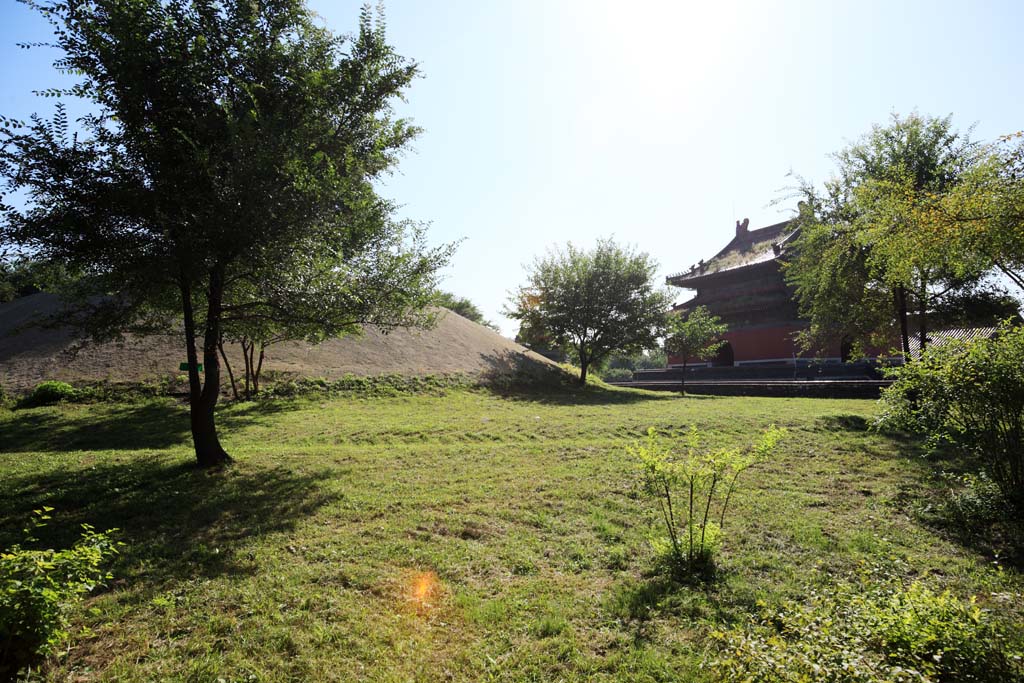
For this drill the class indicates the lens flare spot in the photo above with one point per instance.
(424, 588)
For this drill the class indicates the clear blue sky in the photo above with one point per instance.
(657, 123)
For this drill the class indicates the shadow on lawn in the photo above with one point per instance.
(997, 535)
(151, 425)
(177, 521)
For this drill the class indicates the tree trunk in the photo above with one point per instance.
(922, 316)
(259, 369)
(584, 364)
(682, 383)
(248, 370)
(209, 452)
(227, 364)
(901, 311)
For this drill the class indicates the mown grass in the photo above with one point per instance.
(467, 536)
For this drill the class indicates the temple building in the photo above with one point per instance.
(743, 285)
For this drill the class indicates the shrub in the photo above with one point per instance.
(37, 588)
(970, 394)
(617, 375)
(972, 500)
(686, 485)
(49, 393)
(874, 629)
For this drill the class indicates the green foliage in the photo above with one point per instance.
(875, 629)
(594, 302)
(694, 336)
(22, 277)
(972, 500)
(685, 484)
(983, 215)
(865, 254)
(616, 375)
(50, 392)
(970, 394)
(38, 587)
(225, 177)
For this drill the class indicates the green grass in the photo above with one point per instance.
(469, 536)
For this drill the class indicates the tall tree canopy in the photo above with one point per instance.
(983, 216)
(865, 255)
(593, 302)
(224, 179)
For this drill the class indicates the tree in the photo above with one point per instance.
(862, 258)
(384, 283)
(594, 302)
(982, 218)
(694, 335)
(23, 276)
(231, 142)
(467, 309)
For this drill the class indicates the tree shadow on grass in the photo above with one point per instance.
(997, 534)
(177, 521)
(143, 426)
(845, 423)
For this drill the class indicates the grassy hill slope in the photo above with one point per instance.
(29, 355)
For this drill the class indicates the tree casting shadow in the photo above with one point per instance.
(176, 521)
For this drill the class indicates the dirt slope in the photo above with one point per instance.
(30, 354)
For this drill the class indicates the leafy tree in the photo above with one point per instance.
(536, 338)
(23, 276)
(645, 360)
(464, 307)
(313, 298)
(982, 218)
(862, 259)
(231, 142)
(594, 302)
(694, 335)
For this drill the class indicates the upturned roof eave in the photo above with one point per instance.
(687, 281)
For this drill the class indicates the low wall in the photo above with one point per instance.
(793, 388)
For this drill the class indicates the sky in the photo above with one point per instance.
(656, 123)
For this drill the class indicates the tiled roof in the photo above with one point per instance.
(746, 248)
(955, 334)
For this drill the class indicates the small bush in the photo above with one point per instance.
(874, 629)
(972, 500)
(37, 588)
(617, 375)
(970, 394)
(692, 487)
(50, 393)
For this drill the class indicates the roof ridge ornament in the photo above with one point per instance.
(741, 228)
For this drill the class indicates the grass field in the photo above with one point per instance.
(470, 536)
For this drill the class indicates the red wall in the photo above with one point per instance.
(763, 343)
